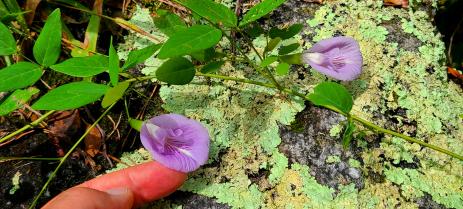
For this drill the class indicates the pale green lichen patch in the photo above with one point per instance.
(134, 41)
(132, 158)
(243, 120)
(414, 81)
(333, 159)
(443, 187)
(15, 183)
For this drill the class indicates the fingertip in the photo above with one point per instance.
(148, 181)
(84, 198)
(122, 197)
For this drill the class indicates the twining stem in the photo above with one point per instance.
(65, 157)
(249, 42)
(267, 72)
(30, 125)
(353, 117)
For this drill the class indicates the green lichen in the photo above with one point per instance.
(333, 159)
(444, 188)
(335, 131)
(15, 183)
(131, 158)
(243, 119)
(354, 163)
(133, 41)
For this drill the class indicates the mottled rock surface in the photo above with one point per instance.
(269, 150)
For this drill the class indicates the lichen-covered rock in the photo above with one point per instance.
(404, 87)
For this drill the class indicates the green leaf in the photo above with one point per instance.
(332, 95)
(348, 134)
(286, 33)
(19, 75)
(93, 28)
(8, 17)
(214, 12)
(168, 23)
(272, 44)
(212, 67)
(16, 100)
(139, 56)
(282, 68)
(177, 71)
(268, 61)
(204, 55)
(47, 48)
(135, 124)
(82, 66)
(288, 49)
(190, 40)
(73, 3)
(114, 94)
(71, 96)
(254, 30)
(260, 10)
(113, 64)
(292, 59)
(7, 42)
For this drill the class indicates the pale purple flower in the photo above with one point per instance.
(338, 57)
(176, 141)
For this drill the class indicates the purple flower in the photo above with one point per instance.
(337, 57)
(176, 142)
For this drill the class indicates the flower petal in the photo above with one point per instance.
(337, 57)
(176, 142)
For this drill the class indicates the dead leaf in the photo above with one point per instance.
(314, 1)
(399, 3)
(454, 72)
(64, 126)
(93, 141)
(30, 7)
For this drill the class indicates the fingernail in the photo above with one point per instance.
(117, 191)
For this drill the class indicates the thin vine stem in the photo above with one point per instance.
(30, 158)
(28, 126)
(267, 72)
(7, 60)
(65, 157)
(354, 117)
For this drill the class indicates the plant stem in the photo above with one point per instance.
(30, 125)
(7, 60)
(64, 158)
(407, 138)
(267, 72)
(354, 117)
(144, 78)
(30, 158)
(242, 80)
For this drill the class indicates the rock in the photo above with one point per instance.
(314, 145)
(352, 172)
